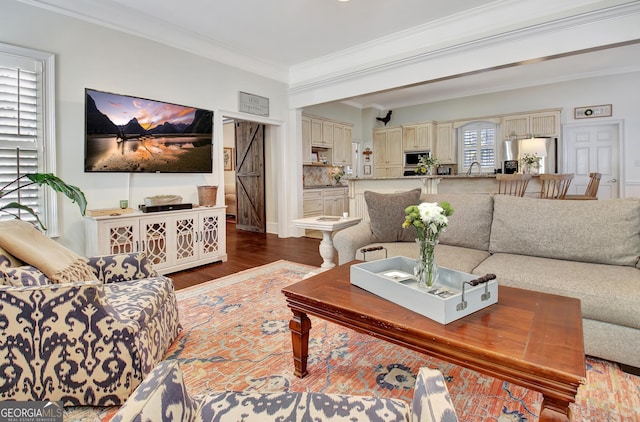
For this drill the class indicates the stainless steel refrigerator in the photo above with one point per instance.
(512, 151)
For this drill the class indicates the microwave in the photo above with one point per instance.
(411, 157)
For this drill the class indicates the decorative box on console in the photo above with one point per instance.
(445, 302)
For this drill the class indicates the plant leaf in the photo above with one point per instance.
(17, 206)
(72, 192)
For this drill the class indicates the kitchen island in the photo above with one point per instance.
(485, 183)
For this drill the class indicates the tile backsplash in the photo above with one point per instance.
(318, 175)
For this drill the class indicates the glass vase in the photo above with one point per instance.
(425, 269)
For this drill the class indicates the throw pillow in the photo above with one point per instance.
(386, 215)
(24, 276)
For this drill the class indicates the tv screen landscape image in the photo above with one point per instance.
(137, 135)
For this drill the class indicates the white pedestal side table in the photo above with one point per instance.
(327, 224)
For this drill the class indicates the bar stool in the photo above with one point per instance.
(512, 184)
(554, 186)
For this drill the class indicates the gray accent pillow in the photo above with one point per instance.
(386, 213)
(470, 224)
(602, 232)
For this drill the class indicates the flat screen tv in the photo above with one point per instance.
(135, 135)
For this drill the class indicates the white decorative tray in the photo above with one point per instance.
(451, 298)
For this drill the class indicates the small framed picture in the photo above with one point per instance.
(314, 157)
(227, 156)
(367, 170)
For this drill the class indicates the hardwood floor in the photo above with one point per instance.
(247, 250)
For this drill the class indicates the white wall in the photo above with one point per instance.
(91, 56)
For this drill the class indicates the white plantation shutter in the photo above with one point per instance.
(479, 144)
(26, 130)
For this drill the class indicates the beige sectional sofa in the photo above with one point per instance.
(589, 250)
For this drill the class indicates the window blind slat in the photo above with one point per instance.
(18, 128)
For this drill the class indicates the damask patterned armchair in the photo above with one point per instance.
(163, 397)
(85, 342)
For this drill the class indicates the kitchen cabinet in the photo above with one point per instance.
(316, 132)
(321, 132)
(445, 145)
(324, 201)
(418, 137)
(387, 152)
(545, 123)
(328, 138)
(172, 240)
(306, 140)
(327, 134)
(312, 203)
(342, 137)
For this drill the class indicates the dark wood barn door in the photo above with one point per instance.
(250, 177)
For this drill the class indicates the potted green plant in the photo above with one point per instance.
(531, 163)
(426, 164)
(72, 192)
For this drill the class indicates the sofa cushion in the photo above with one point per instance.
(25, 275)
(605, 232)
(470, 224)
(386, 213)
(608, 293)
(139, 300)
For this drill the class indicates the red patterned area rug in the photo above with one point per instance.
(236, 337)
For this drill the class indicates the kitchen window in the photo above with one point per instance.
(27, 110)
(478, 145)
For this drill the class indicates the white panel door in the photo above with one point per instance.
(593, 148)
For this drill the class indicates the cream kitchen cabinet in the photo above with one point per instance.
(387, 152)
(306, 140)
(312, 203)
(418, 137)
(545, 123)
(321, 132)
(335, 201)
(445, 145)
(342, 136)
(172, 240)
(325, 201)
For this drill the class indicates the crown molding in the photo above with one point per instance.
(612, 27)
(520, 19)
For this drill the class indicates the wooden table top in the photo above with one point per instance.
(528, 337)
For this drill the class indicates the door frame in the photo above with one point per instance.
(621, 153)
(274, 143)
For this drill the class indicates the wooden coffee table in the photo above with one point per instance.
(531, 339)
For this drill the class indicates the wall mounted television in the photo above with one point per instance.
(136, 135)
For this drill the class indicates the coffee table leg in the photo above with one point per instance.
(300, 325)
(553, 411)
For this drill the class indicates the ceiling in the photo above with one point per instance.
(281, 34)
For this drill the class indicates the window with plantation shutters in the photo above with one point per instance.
(26, 78)
(479, 145)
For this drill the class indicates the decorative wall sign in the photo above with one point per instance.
(604, 110)
(253, 104)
